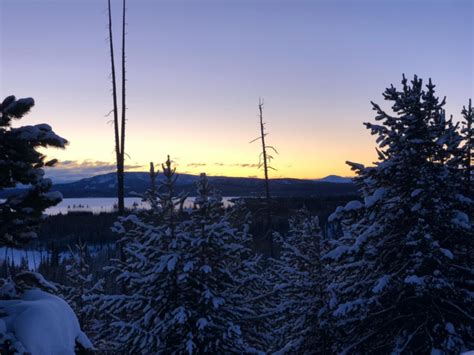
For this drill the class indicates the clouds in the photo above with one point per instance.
(219, 168)
(195, 165)
(246, 165)
(237, 165)
(73, 170)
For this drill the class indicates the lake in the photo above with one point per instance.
(98, 205)
(95, 205)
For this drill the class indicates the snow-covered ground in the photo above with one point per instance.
(39, 323)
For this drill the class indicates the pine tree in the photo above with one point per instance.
(146, 274)
(22, 163)
(151, 194)
(403, 279)
(185, 277)
(468, 138)
(221, 273)
(300, 275)
(81, 286)
(170, 203)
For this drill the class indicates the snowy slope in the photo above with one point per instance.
(40, 323)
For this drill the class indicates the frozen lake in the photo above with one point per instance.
(95, 205)
(107, 204)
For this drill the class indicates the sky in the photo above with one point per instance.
(196, 70)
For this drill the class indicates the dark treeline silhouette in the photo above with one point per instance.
(65, 230)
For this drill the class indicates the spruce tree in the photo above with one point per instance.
(81, 286)
(468, 138)
(147, 272)
(22, 164)
(221, 272)
(186, 277)
(402, 269)
(300, 275)
(257, 286)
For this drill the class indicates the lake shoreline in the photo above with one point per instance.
(98, 205)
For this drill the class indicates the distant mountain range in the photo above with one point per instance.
(137, 183)
(336, 179)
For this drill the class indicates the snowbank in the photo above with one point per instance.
(40, 323)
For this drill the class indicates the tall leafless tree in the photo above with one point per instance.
(124, 107)
(119, 130)
(265, 159)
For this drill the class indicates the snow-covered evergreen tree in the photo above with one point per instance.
(221, 272)
(468, 138)
(258, 287)
(81, 287)
(31, 318)
(22, 163)
(165, 204)
(403, 270)
(300, 276)
(147, 273)
(186, 277)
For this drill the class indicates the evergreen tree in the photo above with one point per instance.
(150, 272)
(258, 287)
(20, 214)
(81, 286)
(22, 163)
(403, 273)
(184, 277)
(221, 273)
(468, 138)
(300, 275)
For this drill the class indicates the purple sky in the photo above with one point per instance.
(197, 68)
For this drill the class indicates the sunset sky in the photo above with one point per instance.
(196, 70)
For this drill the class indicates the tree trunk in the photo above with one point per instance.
(269, 234)
(264, 151)
(124, 108)
(118, 154)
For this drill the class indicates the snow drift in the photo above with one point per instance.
(35, 321)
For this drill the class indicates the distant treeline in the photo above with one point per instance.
(95, 229)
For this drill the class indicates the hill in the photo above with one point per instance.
(137, 182)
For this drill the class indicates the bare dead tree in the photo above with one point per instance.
(124, 107)
(119, 132)
(265, 159)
